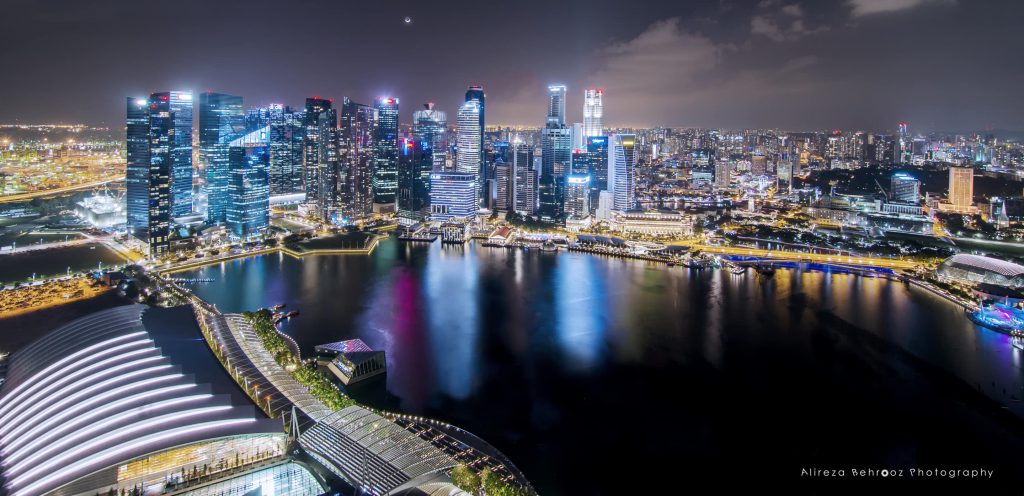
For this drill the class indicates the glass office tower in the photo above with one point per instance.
(415, 164)
(161, 160)
(248, 211)
(356, 131)
(221, 120)
(137, 173)
(385, 154)
(181, 153)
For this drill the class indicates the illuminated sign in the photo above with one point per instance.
(578, 179)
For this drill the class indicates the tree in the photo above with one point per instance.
(467, 480)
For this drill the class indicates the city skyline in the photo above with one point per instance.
(856, 64)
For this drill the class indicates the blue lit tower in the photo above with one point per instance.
(385, 154)
(415, 164)
(286, 141)
(597, 149)
(622, 171)
(221, 120)
(137, 173)
(181, 153)
(248, 211)
(556, 156)
(328, 163)
(161, 159)
(432, 125)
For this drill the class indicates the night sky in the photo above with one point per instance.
(799, 65)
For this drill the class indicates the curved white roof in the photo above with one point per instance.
(1002, 267)
(111, 387)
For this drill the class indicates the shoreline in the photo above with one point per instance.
(201, 263)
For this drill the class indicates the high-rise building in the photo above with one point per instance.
(475, 93)
(248, 211)
(622, 171)
(593, 113)
(137, 173)
(311, 167)
(722, 174)
(469, 159)
(432, 125)
(597, 151)
(524, 176)
(453, 196)
(180, 109)
(356, 150)
(415, 164)
(287, 136)
(505, 183)
(905, 188)
(328, 163)
(556, 105)
(904, 144)
(577, 196)
(961, 187)
(385, 154)
(784, 174)
(758, 165)
(161, 159)
(221, 120)
(578, 138)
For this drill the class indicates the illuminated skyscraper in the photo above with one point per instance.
(722, 174)
(161, 159)
(287, 136)
(961, 187)
(415, 164)
(248, 210)
(356, 150)
(905, 188)
(432, 125)
(621, 171)
(221, 120)
(597, 151)
(181, 152)
(556, 106)
(137, 173)
(453, 196)
(904, 144)
(525, 179)
(469, 159)
(577, 196)
(385, 154)
(593, 113)
(328, 162)
(504, 179)
(476, 93)
(311, 167)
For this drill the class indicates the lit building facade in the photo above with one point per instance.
(385, 154)
(221, 120)
(248, 210)
(525, 176)
(415, 164)
(161, 159)
(287, 136)
(622, 171)
(431, 125)
(593, 113)
(961, 187)
(356, 150)
(137, 172)
(577, 196)
(468, 140)
(311, 167)
(181, 153)
(453, 195)
(905, 188)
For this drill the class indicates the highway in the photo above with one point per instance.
(20, 197)
(889, 263)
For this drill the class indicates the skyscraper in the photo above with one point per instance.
(328, 163)
(356, 150)
(905, 188)
(453, 196)
(961, 187)
(287, 136)
(525, 179)
(469, 159)
(577, 196)
(385, 154)
(556, 105)
(248, 211)
(311, 167)
(221, 120)
(621, 171)
(593, 113)
(181, 153)
(904, 144)
(475, 93)
(504, 179)
(556, 156)
(597, 151)
(432, 125)
(137, 173)
(415, 164)
(161, 159)
(722, 174)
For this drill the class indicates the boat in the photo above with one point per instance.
(279, 306)
(739, 269)
(293, 313)
(671, 264)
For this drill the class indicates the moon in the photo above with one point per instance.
(408, 20)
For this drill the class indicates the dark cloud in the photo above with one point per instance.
(794, 64)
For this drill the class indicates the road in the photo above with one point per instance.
(20, 197)
(888, 263)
